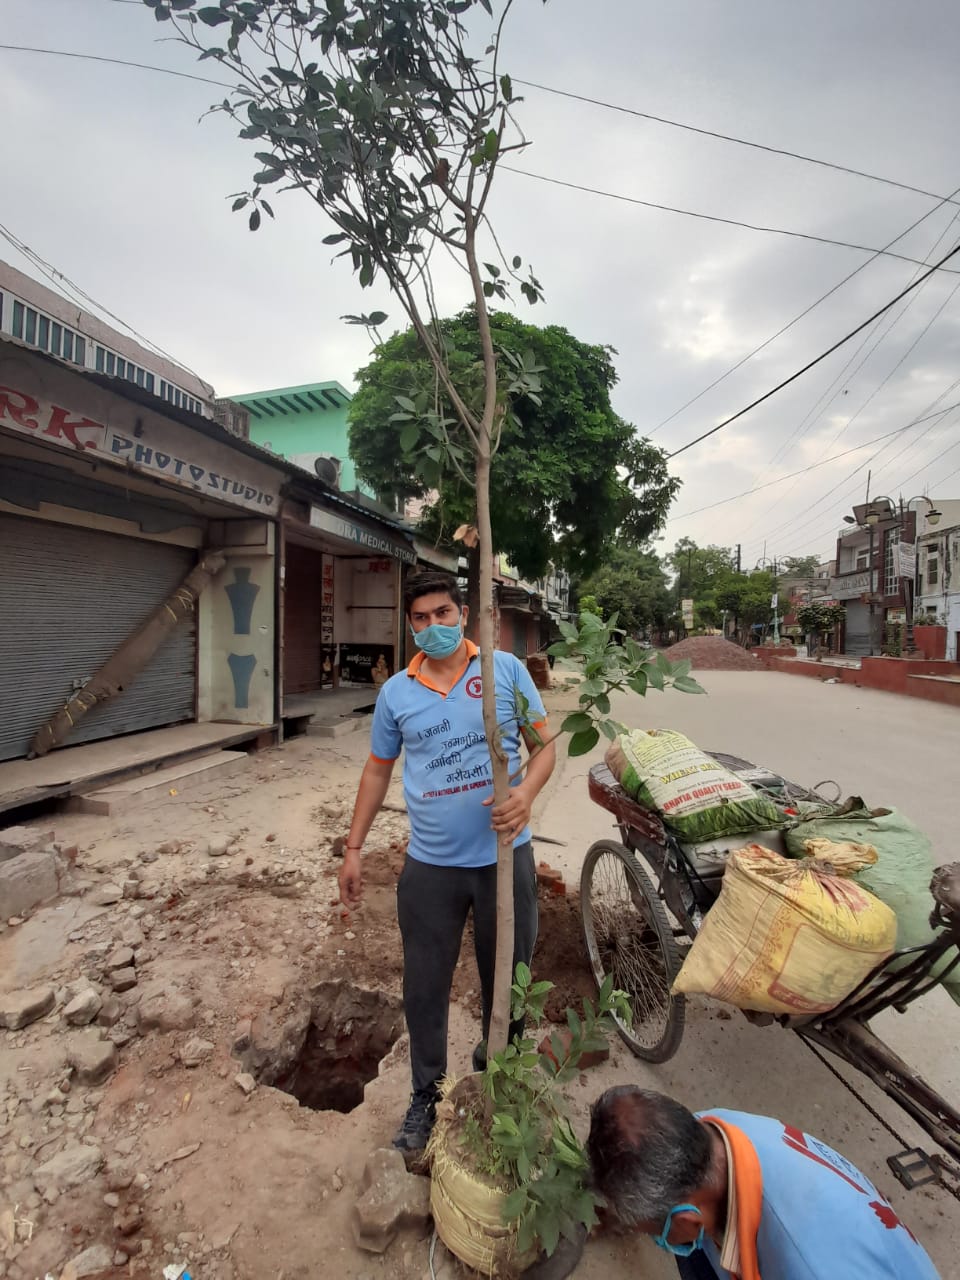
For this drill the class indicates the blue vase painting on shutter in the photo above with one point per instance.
(241, 668)
(242, 593)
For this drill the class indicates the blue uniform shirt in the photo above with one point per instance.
(446, 768)
(821, 1218)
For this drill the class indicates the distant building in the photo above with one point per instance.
(938, 575)
(308, 426)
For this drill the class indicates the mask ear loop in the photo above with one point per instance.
(662, 1240)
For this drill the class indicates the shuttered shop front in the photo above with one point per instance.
(68, 598)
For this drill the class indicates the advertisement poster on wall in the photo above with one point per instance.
(328, 652)
(365, 665)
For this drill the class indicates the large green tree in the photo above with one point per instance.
(632, 584)
(569, 474)
(696, 569)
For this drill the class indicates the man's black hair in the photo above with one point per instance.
(429, 583)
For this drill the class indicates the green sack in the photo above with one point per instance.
(900, 877)
(695, 795)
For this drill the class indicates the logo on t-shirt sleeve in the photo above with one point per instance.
(473, 687)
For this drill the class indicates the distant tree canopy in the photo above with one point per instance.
(570, 476)
(631, 583)
(799, 566)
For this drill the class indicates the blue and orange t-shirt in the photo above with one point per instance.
(801, 1211)
(446, 768)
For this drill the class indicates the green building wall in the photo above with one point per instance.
(306, 419)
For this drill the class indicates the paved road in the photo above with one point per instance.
(894, 751)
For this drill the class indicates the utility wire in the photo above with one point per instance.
(818, 359)
(711, 217)
(768, 484)
(525, 173)
(687, 128)
(81, 298)
(726, 137)
(796, 319)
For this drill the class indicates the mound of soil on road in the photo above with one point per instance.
(713, 653)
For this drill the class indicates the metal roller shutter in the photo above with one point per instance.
(68, 597)
(857, 637)
(302, 610)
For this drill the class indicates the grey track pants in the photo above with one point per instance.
(432, 906)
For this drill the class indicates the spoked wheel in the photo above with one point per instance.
(628, 935)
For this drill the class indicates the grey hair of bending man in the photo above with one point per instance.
(647, 1153)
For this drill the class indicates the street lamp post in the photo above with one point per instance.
(884, 508)
(775, 602)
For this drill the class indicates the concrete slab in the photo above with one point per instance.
(35, 949)
(332, 712)
(159, 784)
(72, 769)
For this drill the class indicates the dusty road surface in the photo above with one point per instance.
(200, 941)
(894, 751)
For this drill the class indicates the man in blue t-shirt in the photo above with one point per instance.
(432, 711)
(737, 1195)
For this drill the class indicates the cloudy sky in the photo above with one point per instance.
(111, 177)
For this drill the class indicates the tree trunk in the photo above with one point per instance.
(474, 597)
(503, 969)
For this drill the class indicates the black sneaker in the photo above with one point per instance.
(479, 1059)
(418, 1123)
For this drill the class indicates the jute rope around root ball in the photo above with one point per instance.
(467, 1208)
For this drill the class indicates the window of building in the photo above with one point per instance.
(30, 325)
(862, 561)
(891, 578)
(932, 572)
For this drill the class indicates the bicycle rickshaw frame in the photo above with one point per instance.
(843, 1031)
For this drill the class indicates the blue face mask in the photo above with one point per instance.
(438, 641)
(678, 1250)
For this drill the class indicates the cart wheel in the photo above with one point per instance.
(628, 935)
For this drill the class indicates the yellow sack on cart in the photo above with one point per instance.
(787, 935)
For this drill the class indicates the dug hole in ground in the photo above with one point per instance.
(241, 958)
(204, 1048)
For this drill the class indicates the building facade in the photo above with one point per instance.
(938, 576)
(306, 425)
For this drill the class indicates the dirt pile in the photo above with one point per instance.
(713, 653)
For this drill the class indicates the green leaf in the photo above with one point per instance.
(656, 677)
(336, 239)
(239, 204)
(638, 683)
(514, 1204)
(680, 669)
(577, 722)
(687, 685)
(517, 262)
(522, 975)
(583, 742)
(663, 663)
(506, 88)
(409, 437)
(590, 688)
(406, 403)
(254, 221)
(609, 729)
(602, 703)
(491, 144)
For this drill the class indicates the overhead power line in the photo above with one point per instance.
(818, 359)
(796, 319)
(768, 484)
(65, 286)
(712, 217)
(525, 173)
(727, 137)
